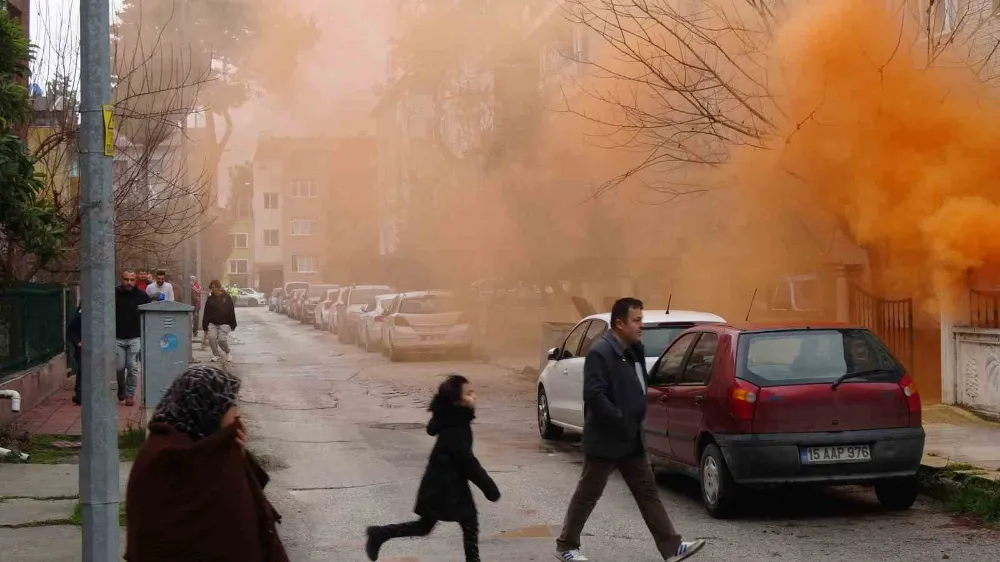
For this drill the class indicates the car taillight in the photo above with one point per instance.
(743, 399)
(400, 321)
(379, 318)
(912, 397)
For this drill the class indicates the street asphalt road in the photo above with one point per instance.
(342, 432)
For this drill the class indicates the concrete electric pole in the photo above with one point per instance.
(99, 460)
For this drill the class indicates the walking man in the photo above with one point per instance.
(74, 342)
(218, 321)
(160, 290)
(128, 330)
(614, 405)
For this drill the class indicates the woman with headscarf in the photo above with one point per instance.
(195, 492)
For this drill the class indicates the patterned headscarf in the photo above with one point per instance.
(197, 400)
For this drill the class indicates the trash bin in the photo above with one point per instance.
(166, 348)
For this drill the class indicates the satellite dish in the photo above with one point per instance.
(34, 90)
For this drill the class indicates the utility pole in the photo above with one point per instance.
(99, 460)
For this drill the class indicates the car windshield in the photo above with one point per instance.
(813, 356)
(295, 286)
(362, 296)
(319, 290)
(429, 304)
(656, 338)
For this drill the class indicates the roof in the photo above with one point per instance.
(662, 316)
(416, 294)
(791, 325)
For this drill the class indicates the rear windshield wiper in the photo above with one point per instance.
(859, 374)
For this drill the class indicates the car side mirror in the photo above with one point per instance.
(554, 354)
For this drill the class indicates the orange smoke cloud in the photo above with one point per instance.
(902, 152)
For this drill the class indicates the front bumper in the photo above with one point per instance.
(760, 459)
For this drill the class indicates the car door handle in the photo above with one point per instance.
(699, 399)
(664, 398)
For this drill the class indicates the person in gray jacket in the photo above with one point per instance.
(614, 406)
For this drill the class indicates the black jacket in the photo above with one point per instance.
(127, 301)
(614, 401)
(219, 310)
(74, 329)
(444, 491)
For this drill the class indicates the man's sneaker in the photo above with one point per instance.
(130, 400)
(215, 359)
(572, 556)
(229, 357)
(374, 543)
(686, 549)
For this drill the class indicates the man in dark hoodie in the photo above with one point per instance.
(74, 343)
(128, 330)
(614, 406)
(218, 321)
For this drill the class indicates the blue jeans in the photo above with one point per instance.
(126, 355)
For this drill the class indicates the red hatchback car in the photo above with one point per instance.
(764, 405)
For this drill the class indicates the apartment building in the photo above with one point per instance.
(240, 261)
(313, 207)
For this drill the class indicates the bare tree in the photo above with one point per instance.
(161, 195)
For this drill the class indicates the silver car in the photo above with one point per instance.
(249, 297)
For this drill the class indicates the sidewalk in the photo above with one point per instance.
(957, 437)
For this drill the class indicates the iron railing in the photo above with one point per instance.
(984, 309)
(891, 320)
(32, 324)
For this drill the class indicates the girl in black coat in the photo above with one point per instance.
(444, 491)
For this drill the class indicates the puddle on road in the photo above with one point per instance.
(399, 426)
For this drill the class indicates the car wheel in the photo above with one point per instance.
(545, 427)
(897, 494)
(719, 491)
(317, 325)
(253, 302)
(342, 334)
(394, 355)
(368, 343)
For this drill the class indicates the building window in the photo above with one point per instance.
(238, 267)
(242, 208)
(271, 237)
(270, 200)
(304, 188)
(239, 241)
(305, 264)
(303, 227)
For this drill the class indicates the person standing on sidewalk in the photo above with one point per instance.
(196, 303)
(74, 340)
(128, 330)
(161, 289)
(614, 405)
(444, 493)
(219, 320)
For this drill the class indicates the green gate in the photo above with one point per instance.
(32, 325)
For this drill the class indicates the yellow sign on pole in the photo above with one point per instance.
(109, 130)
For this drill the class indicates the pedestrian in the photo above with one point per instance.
(128, 330)
(195, 492)
(218, 321)
(74, 340)
(196, 302)
(161, 289)
(142, 279)
(614, 405)
(444, 493)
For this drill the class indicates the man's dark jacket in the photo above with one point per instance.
(219, 310)
(614, 401)
(127, 301)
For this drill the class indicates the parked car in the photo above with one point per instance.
(425, 322)
(771, 405)
(286, 298)
(324, 311)
(350, 305)
(295, 306)
(560, 384)
(370, 322)
(275, 301)
(249, 297)
(311, 302)
(338, 305)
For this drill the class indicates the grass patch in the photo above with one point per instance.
(77, 517)
(962, 467)
(965, 492)
(52, 449)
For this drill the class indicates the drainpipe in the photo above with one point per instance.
(15, 406)
(15, 399)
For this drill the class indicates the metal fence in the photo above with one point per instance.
(32, 324)
(891, 320)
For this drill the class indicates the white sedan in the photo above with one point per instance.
(560, 384)
(425, 322)
(370, 323)
(249, 297)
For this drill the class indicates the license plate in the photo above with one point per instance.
(835, 454)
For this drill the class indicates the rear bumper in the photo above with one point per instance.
(759, 459)
(448, 344)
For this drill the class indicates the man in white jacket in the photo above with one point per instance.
(160, 290)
